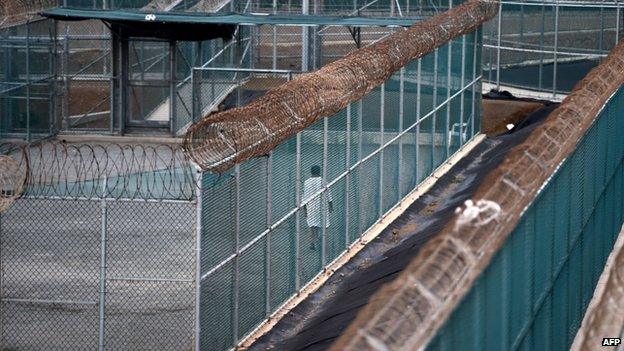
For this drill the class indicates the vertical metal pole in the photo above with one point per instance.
(269, 219)
(474, 76)
(114, 73)
(522, 25)
(172, 87)
(298, 213)
(401, 115)
(498, 44)
(198, 256)
(123, 82)
(274, 65)
(490, 54)
(447, 132)
(194, 99)
(418, 106)
(381, 142)
(462, 96)
(540, 72)
(54, 125)
(348, 175)
(617, 22)
(601, 33)
(305, 38)
(66, 79)
(434, 116)
(360, 151)
(556, 48)
(28, 131)
(324, 196)
(475, 47)
(103, 242)
(237, 255)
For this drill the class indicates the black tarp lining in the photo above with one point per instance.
(318, 321)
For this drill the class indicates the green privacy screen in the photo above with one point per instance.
(535, 291)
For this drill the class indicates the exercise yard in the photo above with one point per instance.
(217, 175)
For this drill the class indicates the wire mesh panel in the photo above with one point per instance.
(548, 46)
(273, 223)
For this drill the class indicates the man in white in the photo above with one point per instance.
(317, 205)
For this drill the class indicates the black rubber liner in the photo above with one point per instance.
(316, 322)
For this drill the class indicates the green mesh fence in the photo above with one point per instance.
(267, 229)
(535, 291)
(549, 45)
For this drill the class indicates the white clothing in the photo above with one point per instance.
(314, 208)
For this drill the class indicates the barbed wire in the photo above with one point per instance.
(15, 12)
(219, 141)
(128, 171)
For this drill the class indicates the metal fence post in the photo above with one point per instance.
(360, 152)
(269, 219)
(28, 131)
(324, 196)
(235, 332)
(447, 130)
(305, 38)
(381, 142)
(556, 47)
(498, 44)
(462, 95)
(418, 107)
(474, 93)
(617, 21)
(172, 87)
(194, 100)
(348, 175)
(66, 78)
(198, 256)
(298, 212)
(401, 113)
(434, 116)
(103, 242)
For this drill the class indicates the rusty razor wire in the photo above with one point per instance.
(131, 171)
(14, 12)
(407, 313)
(219, 141)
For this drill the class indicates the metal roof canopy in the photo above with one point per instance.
(202, 26)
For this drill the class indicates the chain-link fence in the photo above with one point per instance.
(547, 46)
(99, 252)
(271, 224)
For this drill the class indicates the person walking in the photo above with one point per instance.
(317, 210)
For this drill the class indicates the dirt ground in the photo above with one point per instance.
(497, 114)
